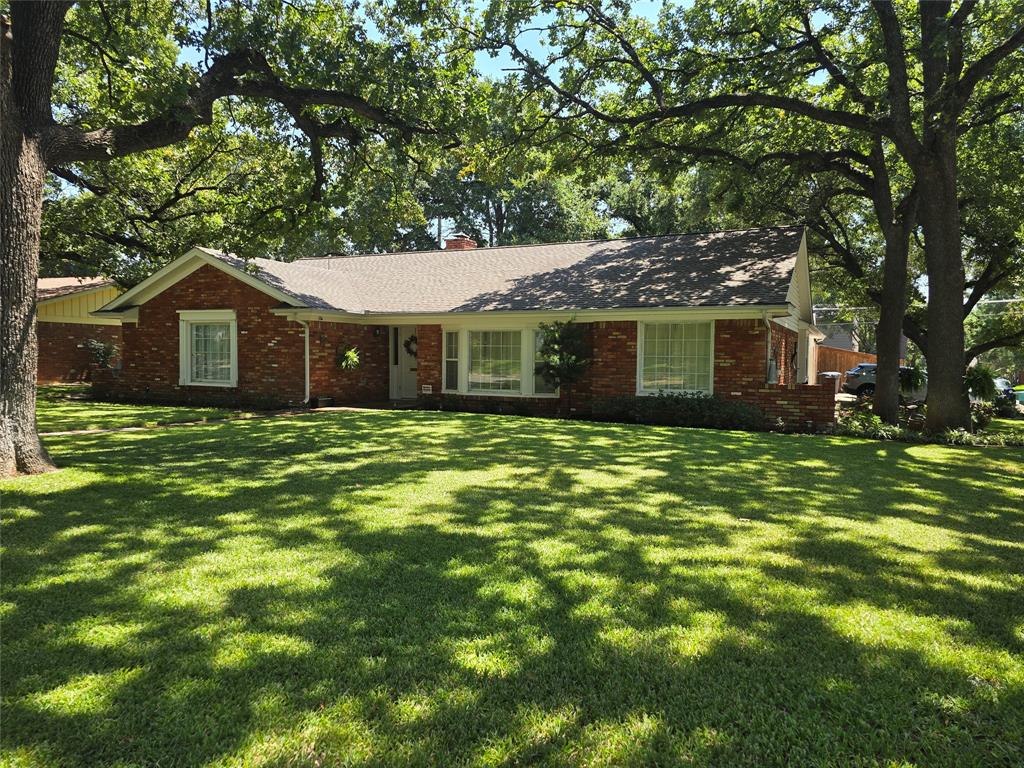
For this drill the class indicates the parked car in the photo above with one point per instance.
(1004, 388)
(860, 381)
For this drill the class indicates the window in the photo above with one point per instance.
(208, 351)
(451, 360)
(541, 386)
(675, 357)
(495, 361)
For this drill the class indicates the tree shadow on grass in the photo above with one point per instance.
(440, 589)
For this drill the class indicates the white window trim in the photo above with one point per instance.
(444, 358)
(527, 351)
(640, 360)
(186, 319)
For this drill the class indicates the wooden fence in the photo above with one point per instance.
(842, 360)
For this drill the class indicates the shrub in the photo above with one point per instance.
(564, 356)
(348, 359)
(982, 415)
(860, 421)
(102, 351)
(682, 410)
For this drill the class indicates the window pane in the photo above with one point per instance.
(211, 352)
(495, 360)
(676, 357)
(451, 360)
(541, 386)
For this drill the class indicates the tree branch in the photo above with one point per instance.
(1015, 339)
(241, 73)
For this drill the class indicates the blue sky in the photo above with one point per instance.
(497, 66)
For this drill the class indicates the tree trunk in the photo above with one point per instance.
(892, 307)
(940, 221)
(22, 176)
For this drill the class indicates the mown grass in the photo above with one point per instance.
(411, 588)
(1007, 427)
(66, 407)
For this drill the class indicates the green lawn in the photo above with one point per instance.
(411, 588)
(1007, 427)
(64, 408)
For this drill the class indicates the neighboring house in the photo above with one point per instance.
(64, 324)
(721, 312)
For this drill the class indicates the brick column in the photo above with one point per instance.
(428, 358)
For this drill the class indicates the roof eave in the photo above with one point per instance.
(737, 311)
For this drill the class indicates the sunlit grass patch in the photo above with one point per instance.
(409, 588)
(64, 408)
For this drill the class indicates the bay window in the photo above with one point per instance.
(675, 357)
(208, 348)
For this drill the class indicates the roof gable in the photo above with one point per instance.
(185, 265)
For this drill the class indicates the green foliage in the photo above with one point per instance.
(680, 409)
(564, 353)
(103, 352)
(859, 421)
(982, 415)
(912, 378)
(862, 422)
(979, 380)
(410, 588)
(248, 182)
(348, 359)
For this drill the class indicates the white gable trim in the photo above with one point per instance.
(181, 268)
(799, 294)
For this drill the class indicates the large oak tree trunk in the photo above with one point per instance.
(940, 221)
(892, 307)
(22, 175)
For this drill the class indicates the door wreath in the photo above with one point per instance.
(411, 345)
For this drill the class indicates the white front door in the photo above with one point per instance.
(403, 363)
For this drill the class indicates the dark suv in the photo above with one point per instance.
(860, 381)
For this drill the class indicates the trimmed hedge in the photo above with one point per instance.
(677, 409)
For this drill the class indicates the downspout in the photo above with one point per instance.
(770, 377)
(305, 327)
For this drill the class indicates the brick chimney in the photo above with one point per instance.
(459, 242)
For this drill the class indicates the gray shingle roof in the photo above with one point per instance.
(740, 267)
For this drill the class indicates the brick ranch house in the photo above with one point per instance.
(64, 325)
(724, 312)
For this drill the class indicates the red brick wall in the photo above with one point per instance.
(428, 358)
(368, 382)
(613, 371)
(740, 375)
(271, 360)
(784, 344)
(62, 352)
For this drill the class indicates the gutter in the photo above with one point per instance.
(305, 327)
